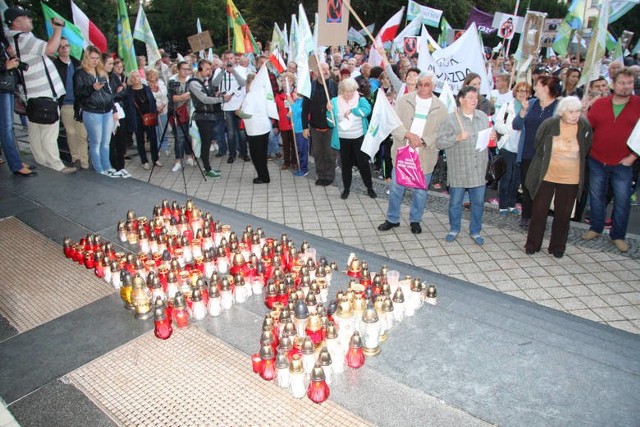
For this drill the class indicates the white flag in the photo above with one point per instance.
(305, 47)
(384, 120)
(447, 98)
(142, 31)
(199, 28)
(263, 84)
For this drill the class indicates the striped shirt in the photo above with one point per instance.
(33, 51)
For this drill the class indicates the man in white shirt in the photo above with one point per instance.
(43, 138)
(501, 94)
(232, 82)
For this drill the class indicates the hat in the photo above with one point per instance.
(14, 12)
(345, 72)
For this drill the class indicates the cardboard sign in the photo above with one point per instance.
(200, 41)
(333, 23)
(550, 31)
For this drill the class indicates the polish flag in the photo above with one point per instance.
(276, 59)
(92, 34)
(386, 34)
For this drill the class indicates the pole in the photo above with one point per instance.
(355, 15)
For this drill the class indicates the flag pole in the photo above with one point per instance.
(355, 15)
(290, 108)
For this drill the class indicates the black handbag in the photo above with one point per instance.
(496, 167)
(44, 111)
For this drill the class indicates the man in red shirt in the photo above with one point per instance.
(610, 160)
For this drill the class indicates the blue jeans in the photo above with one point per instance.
(234, 141)
(274, 144)
(620, 178)
(183, 142)
(418, 201)
(218, 133)
(99, 127)
(508, 184)
(476, 196)
(162, 122)
(7, 137)
(303, 152)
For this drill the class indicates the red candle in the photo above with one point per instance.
(163, 329)
(256, 363)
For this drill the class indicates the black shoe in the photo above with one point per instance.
(31, 173)
(318, 182)
(326, 182)
(529, 251)
(372, 193)
(246, 158)
(415, 228)
(260, 181)
(345, 194)
(230, 160)
(386, 226)
(558, 254)
(218, 155)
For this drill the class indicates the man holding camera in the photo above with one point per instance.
(232, 84)
(39, 76)
(206, 101)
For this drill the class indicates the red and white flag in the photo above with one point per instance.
(92, 34)
(386, 34)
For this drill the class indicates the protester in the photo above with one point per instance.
(598, 88)
(508, 149)
(99, 114)
(557, 174)
(347, 116)
(179, 102)
(43, 138)
(611, 160)
(159, 90)
(533, 112)
(502, 94)
(466, 165)
(141, 101)
(232, 84)
(421, 115)
(258, 126)
(74, 129)
(118, 144)
(570, 83)
(285, 128)
(484, 104)
(302, 143)
(8, 85)
(315, 127)
(206, 103)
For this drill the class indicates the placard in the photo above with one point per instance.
(200, 41)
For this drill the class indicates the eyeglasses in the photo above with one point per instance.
(522, 91)
(184, 69)
(423, 84)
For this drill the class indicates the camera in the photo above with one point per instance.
(229, 64)
(101, 80)
(174, 84)
(23, 66)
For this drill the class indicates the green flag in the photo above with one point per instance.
(596, 50)
(444, 31)
(69, 31)
(573, 21)
(125, 39)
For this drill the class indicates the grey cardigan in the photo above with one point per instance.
(542, 157)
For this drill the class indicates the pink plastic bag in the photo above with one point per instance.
(408, 170)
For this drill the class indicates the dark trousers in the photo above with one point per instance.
(565, 196)
(508, 184)
(351, 155)
(258, 145)
(205, 128)
(383, 160)
(324, 155)
(152, 136)
(118, 146)
(288, 149)
(527, 203)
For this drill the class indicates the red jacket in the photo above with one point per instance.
(610, 133)
(284, 123)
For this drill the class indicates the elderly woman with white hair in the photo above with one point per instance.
(347, 114)
(557, 173)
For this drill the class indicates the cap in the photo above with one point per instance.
(14, 12)
(541, 70)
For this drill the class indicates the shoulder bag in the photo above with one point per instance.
(41, 110)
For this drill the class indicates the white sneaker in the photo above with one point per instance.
(190, 161)
(159, 163)
(124, 173)
(177, 167)
(146, 166)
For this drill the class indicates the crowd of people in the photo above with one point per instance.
(563, 146)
